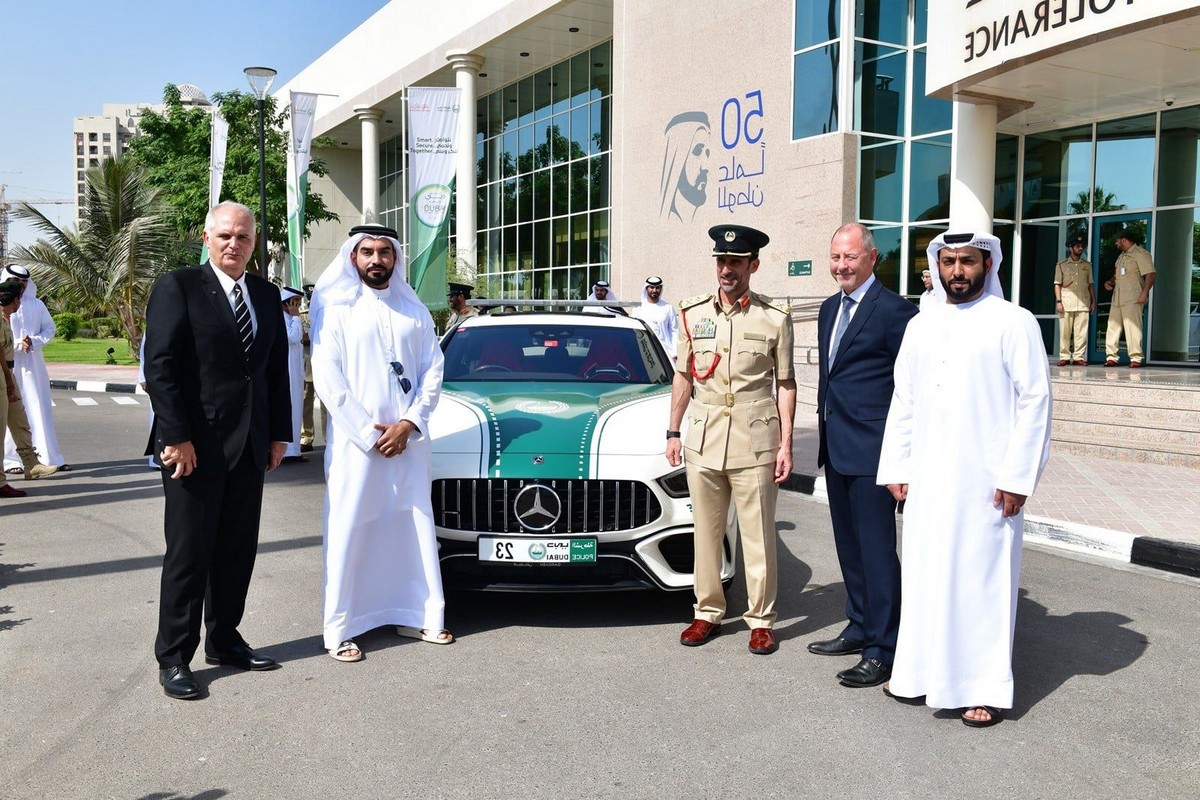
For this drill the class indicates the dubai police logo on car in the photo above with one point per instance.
(542, 407)
(537, 507)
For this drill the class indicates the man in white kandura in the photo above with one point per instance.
(929, 296)
(973, 371)
(602, 291)
(32, 329)
(378, 370)
(290, 298)
(661, 316)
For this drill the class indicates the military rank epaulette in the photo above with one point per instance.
(695, 301)
(778, 305)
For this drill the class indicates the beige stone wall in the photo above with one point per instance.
(672, 58)
(342, 191)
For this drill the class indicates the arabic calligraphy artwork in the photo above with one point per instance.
(685, 171)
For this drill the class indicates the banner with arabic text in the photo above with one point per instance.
(433, 155)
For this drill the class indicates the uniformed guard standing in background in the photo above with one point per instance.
(734, 380)
(1075, 301)
(1132, 280)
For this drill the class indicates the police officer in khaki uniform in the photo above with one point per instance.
(1074, 300)
(458, 296)
(734, 380)
(1133, 277)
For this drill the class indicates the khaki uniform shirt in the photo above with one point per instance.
(734, 359)
(1130, 267)
(1075, 278)
(456, 318)
(6, 345)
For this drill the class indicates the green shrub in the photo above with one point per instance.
(106, 327)
(68, 325)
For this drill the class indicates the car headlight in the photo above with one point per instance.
(675, 484)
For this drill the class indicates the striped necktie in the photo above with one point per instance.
(241, 315)
(843, 323)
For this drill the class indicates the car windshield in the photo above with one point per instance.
(563, 352)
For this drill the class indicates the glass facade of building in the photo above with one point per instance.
(542, 171)
(543, 174)
(1095, 179)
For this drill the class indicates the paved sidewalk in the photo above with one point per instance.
(1145, 513)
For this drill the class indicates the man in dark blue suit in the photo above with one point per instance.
(859, 331)
(217, 375)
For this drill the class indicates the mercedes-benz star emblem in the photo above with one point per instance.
(537, 507)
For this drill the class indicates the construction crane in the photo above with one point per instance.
(5, 207)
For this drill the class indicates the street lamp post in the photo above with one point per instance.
(260, 79)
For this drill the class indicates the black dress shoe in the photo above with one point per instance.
(306, 448)
(178, 683)
(868, 672)
(242, 657)
(835, 647)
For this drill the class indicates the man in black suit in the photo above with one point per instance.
(859, 331)
(217, 375)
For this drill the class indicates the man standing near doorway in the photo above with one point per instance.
(1133, 277)
(1075, 301)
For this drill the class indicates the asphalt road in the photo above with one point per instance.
(543, 696)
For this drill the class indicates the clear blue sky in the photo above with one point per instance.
(64, 58)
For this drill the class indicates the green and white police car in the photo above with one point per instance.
(548, 465)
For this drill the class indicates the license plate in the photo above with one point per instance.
(522, 550)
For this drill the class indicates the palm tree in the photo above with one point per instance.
(110, 264)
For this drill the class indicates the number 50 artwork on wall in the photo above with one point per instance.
(683, 186)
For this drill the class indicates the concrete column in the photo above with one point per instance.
(973, 168)
(370, 117)
(466, 72)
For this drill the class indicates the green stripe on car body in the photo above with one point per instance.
(557, 426)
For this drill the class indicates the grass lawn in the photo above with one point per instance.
(87, 351)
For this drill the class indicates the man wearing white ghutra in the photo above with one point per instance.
(378, 369)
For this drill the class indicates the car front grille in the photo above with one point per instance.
(486, 505)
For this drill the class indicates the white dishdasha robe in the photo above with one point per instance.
(380, 546)
(663, 319)
(295, 339)
(33, 319)
(970, 414)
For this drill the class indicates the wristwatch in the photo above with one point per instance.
(672, 434)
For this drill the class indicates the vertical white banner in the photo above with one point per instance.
(216, 165)
(432, 161)
(304, 114)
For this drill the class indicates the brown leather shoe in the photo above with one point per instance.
(1062, 362)
(762, 641)
(698, 633)
(1135, 365)
(1080, 362)
(11, 491)
(1110, 363)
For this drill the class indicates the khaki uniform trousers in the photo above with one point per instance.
(1073, 323)
(3, 412)
(754, 493)
(1127, 317)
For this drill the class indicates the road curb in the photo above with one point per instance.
(1146, 551)
(97, 386)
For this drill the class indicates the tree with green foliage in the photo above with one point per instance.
(174, 149)
(107, 266)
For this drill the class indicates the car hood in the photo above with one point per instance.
(502, 429)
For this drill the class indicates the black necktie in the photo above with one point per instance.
(241, 315)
